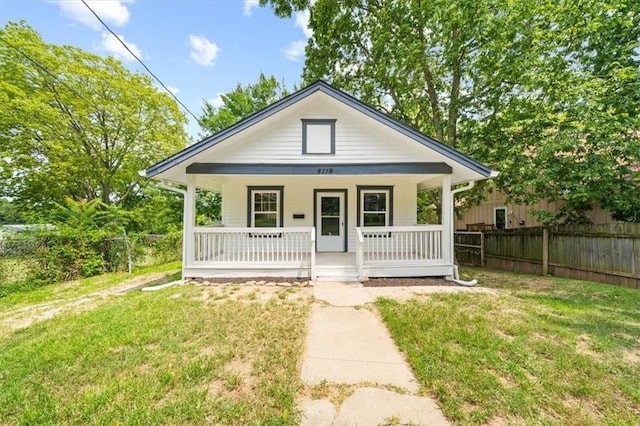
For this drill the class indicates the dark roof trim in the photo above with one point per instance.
(329, 90)
(319, 169)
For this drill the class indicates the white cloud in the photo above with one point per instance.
(203, 51)
(216, 102)
(115, 48)
(295, 51)
(111, 11)
(248, 5)
(302, 21)
(173, 90)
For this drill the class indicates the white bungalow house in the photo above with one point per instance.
(321, 186)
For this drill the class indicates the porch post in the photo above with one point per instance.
(189, 220)
(447, 220)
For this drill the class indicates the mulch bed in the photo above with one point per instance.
(372, 282)
(407, 282)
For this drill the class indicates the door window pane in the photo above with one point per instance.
(330, 226)
(330, 206)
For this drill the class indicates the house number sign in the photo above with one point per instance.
(325, 171)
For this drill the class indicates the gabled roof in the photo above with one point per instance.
(323, 87)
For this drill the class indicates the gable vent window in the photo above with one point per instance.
(318, 136)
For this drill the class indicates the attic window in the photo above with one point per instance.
(318, 136)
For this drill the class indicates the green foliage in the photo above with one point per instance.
(51, 257)
(76, 125)
(9, 213)
(168, 248)
(546, 92)
(240, 103)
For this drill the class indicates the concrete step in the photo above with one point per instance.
(337, 273)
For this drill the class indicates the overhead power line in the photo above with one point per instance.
(140, 61)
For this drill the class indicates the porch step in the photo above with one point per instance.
(336, 273)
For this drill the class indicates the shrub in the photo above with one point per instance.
(168, 248)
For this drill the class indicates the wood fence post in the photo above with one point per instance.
(545, 251)
(482, 249)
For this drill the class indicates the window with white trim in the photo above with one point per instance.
(375, 206)
(500, 217)
(265, 207)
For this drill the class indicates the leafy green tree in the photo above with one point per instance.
(76, 125)
(546, 92)
(240, 103)
(9, 213)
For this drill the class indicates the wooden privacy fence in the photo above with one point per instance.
(608, 253)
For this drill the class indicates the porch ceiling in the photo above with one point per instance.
(215, 182)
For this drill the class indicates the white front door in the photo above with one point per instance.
(330, 221)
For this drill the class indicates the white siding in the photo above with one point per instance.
(358, 140)
(298, 198)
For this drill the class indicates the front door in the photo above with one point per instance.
(330, 221)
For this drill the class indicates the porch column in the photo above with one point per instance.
(189, 218)
(447, 220)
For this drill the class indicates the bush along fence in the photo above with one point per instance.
(607, 253)
(31, 260)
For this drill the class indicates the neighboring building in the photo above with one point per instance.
(496, 213)
(318, 185)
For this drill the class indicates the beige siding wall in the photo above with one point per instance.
(298, 198)
(483, 213)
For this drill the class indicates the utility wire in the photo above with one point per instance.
(140, 61)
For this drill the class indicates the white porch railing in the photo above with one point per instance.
(398, 244)
(254, 247)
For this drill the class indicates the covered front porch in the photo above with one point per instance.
(329, 228)
(291, 252)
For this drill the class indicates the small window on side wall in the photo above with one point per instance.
(318, 136)
(500, 217)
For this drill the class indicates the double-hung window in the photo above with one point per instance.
(375, 206)
(265, 207)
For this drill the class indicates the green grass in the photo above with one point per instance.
(542, 351)
(82, 287)
(183, 355)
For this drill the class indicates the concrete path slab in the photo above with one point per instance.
(371, 406)
(347, 345)
(342, 294)
(317, 412)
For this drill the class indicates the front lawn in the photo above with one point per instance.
(542, 350)
(183, 355)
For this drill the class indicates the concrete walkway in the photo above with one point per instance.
(347, 344)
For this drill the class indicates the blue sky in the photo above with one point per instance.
(198, 48)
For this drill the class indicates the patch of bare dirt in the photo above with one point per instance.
(25, 316)
(583, 347)
(631, 355)
(252, 293)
